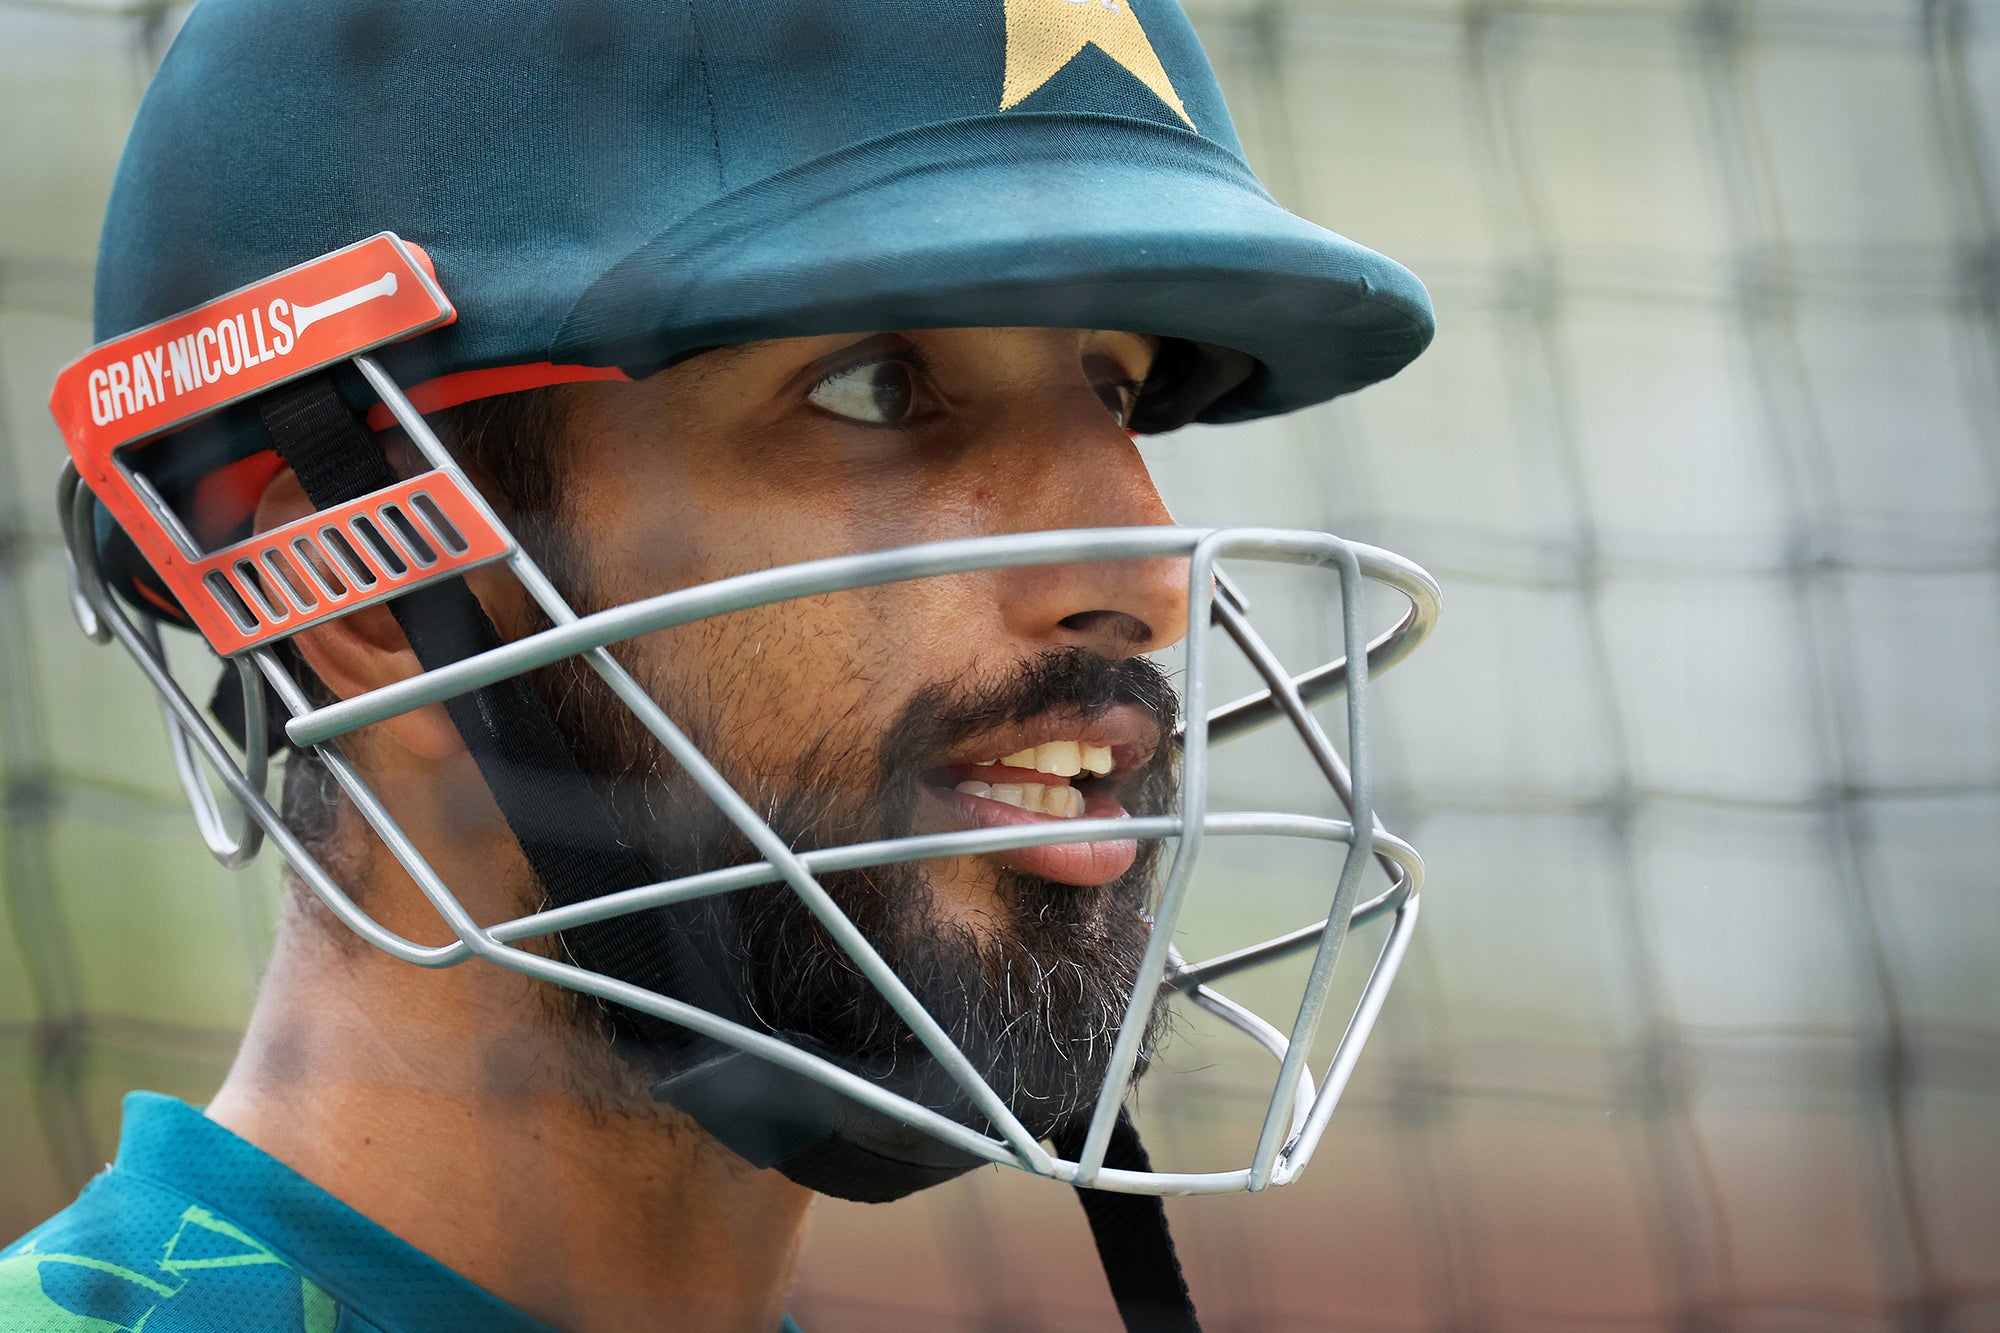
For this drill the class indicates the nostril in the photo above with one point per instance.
(1116, 631)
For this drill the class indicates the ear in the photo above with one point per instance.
(363, 650)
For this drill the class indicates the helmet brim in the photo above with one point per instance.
(1018, 221)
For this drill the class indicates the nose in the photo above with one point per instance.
(1092, 476)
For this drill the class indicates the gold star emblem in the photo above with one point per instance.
(1045, 35)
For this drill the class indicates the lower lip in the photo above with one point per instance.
(1084, 864)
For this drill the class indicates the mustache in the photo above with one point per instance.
(1066, 679)
(1073, 681)
(648, 790)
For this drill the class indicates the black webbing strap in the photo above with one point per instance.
(563, 828)
(1133, 1242)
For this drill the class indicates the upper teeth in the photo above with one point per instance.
(1063, 759)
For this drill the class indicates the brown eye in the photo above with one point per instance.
(878, 393)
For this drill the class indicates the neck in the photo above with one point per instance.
(444, 1105)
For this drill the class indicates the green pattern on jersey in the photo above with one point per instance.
(202, 1243)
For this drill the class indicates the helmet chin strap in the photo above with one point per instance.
(1133, 1243)
(770, 1116)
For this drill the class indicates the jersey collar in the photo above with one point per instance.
(368, 1270)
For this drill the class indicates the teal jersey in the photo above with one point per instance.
(193, 1230)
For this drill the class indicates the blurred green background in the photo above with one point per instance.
(1702, 1026)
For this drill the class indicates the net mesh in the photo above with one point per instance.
(1702, 1026)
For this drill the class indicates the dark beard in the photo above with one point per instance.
(1035, 999)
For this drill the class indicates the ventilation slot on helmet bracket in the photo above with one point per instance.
(288, 578)
(342, 558)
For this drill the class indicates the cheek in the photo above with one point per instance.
(803, 684)
(650, 550)
(659, 553)
(772, 691)
(840, 509)
(777, 690)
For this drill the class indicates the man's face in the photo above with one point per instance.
(999, 697)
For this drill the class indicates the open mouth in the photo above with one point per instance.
(1048, 770)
